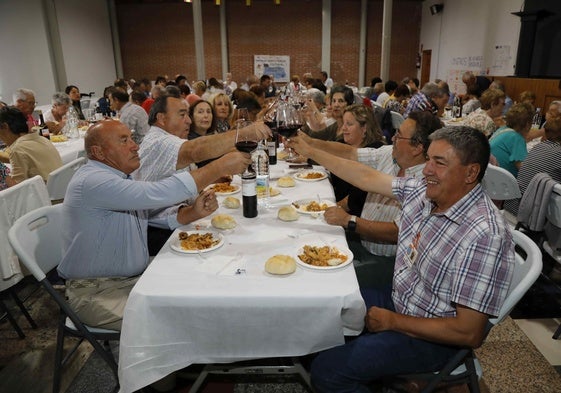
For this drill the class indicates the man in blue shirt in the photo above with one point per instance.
(106, 214)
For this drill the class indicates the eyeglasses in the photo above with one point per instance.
(398, 136)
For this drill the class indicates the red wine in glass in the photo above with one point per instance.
(246, 146)
(288, 131)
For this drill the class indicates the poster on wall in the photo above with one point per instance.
(461, 64)
(276, 66)
(502, 60)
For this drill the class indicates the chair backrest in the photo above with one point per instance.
(553, 214)
(526, 271)
(59, 178)
(397, 119)
(500, 184)
(16, 201)
(36, 239)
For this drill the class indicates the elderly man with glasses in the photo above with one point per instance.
(24, 100)
(373, 235)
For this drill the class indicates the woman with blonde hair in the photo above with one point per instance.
(359, 129)
(508, 143)
(484, 118)
(223, 110)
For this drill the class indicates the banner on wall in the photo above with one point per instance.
(276, 66)
(461, 64)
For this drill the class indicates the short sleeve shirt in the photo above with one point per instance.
(462, 256)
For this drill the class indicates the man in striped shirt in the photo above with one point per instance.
(453, 265)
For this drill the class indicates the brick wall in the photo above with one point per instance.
(157, 38)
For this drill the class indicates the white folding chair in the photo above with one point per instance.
(464, 366)
(500, 184)
(16, 201)
(397, 119)
(36, 239)
(58, 180)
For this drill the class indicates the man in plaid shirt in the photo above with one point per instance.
(452, 272)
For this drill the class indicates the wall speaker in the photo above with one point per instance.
(436, 9)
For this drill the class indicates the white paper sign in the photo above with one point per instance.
(276, 66)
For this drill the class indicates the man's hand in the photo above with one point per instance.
(378, 319)
(299, 144)
(234, 162)
(256, 131)
(336, 216)
(206, 203)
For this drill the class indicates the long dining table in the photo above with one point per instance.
(221, 306)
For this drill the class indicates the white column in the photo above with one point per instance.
(115, 38)
(224, 39)
(326, 36)
(199, 43)
(362, 44)
(386, 40)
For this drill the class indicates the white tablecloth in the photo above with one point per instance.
(69, 150)
(189, 309)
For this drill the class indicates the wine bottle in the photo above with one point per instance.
(249, 194)
(43, 130)
(272, 149)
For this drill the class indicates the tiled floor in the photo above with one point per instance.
(505, 357)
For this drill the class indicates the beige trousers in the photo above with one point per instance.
(100, 302)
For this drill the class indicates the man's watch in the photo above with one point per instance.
(351, 225)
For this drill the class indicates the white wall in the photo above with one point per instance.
(25, 60)
(477, 35)
(24, 54)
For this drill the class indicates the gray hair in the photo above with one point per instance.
(431, 90)
(471, 145)
(60, 98)
(22, 94)
(316, 95)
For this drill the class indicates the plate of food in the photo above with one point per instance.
(323, 257)
(312, 206)
(225, 188)
(310, 175)
(194, 242)
(58, 138)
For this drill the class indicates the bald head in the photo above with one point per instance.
(110, 142)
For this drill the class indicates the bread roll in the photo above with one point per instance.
(223, 221)
(288, 213)
(231, 203)
(280, 264)
(286, 181)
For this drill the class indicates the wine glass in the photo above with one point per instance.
(243, 142)
(289, 120)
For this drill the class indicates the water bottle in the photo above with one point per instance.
(260, 159)
(72, 123)
(537, 119)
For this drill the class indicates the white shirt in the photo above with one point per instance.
(378, 207)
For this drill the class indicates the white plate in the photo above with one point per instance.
(274, 192)
(303, 203)
(302, 175)
(236, 186)
(176, 243)
(345, 251)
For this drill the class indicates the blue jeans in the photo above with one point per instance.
(371, 356)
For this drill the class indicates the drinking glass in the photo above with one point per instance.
(289, 120)
(243, 142)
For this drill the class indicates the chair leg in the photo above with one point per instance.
(557, 333)
(473, 381)
(22, 308)
(200, 380)
(11, 319)
(58, 353)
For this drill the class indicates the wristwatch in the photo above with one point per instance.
(351, 225)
